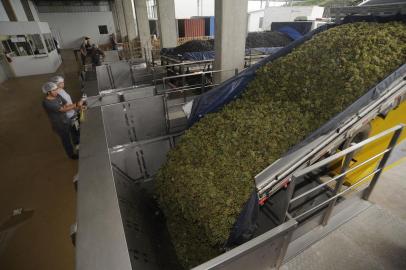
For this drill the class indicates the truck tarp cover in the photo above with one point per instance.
(209, 55)
(231, 89)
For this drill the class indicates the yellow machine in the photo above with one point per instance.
(379, 124)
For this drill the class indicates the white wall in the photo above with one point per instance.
(288, 14)
(19, 10)
(72, 27)
(33, 65)
(3, 14)
(253, 21)
(184, 9)
(22, 28)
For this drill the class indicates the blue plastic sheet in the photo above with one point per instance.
(303, 27)
(231, 89)
(291, 32)
(209, 55)
(266, 50)
(198, 56)
(246, 223)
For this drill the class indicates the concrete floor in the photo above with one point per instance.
(375, 239)
(36, 174)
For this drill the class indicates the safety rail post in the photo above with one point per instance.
(163, 83)
(382, 163)
(290, 190)
(284, 249)
(111, 78)
(202, 82)
(338, 185)
(166, 110)
(154, 79)
(145, 55)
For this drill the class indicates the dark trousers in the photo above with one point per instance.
(75, 135)
(68, 139)
(83, 57)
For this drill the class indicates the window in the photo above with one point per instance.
(22, 45)
(261, 22)
(36, 44)
(18, 45)
(103, 29)
(49, 42)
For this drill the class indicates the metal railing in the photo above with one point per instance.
(348, 154)
(205, 84)
(179, 69)
(206, 79)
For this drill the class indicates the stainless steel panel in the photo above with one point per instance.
(117, 127)
(138, 238)
(262, 252)
(141, 160)
(110, 99)
(110, 57)
(103, 78)
(147, 116)
(154, 155)
(100, 239)
(129, 161)
(139, 93)
(121, 74)
(90, 88)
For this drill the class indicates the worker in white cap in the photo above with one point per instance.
(56, 108)
(72, 114)
(60, 82)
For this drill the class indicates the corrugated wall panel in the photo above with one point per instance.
(194, 28)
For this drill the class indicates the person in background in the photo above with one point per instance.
(72, 114)
(56, 108)
(96, 55)
(85, 48)
(56, 45)
(114, 43)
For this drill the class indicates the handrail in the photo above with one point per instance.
(338, 176)
(185, 64)
(348, 155)
(346, 151)
(363, 179)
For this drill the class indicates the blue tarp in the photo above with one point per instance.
(291, 32)
(209, 55)
(212, 26)
(266, 50)
(231, 89)
(198, 56)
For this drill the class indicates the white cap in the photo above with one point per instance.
(48, 87)
(57, 79)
